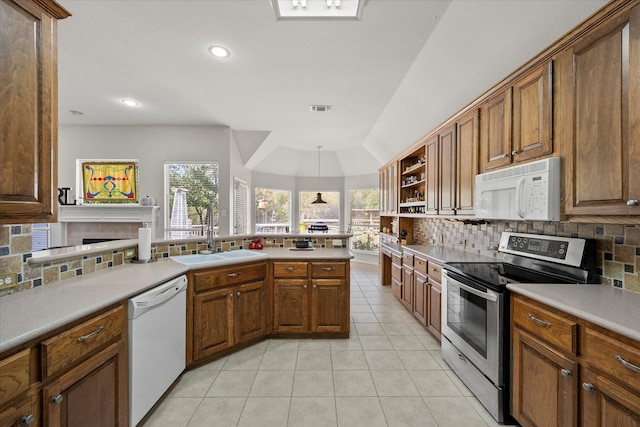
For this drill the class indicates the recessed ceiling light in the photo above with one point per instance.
(130, 102)
(321, 108)
(219, 51)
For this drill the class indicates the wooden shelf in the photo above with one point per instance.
(413, 184)
(413, 168)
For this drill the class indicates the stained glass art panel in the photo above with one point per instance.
(110, 182)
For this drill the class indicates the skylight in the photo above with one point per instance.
(317, 9)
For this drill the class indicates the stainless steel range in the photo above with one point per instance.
(475, 318)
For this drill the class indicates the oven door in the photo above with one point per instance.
(472, 319)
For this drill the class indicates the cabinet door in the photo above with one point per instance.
(250, 311)
(19, 414)
(545, 383)
(290, 306)
(434, 308)
(468, 144)
(407, 288)
(432, 186)
(213, 322)
(605, 403)
(532, 114)
(29, 113)
(420, 297)
(448, 171)
(95, 393)
(495, 147)
(328, 306)
(602, 76)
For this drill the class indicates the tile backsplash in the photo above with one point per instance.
(618, 246)
(15, 251)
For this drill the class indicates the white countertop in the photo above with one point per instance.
(34, 312)
(446, 254)
(606, 306)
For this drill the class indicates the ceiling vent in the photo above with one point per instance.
(321, 108)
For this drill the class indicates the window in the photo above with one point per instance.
(325, 213)
(272, 210)
(240, 206)
(365, 219)
(191, 191)
(39, 237)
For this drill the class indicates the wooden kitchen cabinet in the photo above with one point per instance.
(420, 297)
(432, 196)
(85, 373)
(29, 113)
(407, 286)
(226, 306)
(467, 146)
(599, 110)
(434, 289)
(15, 387)
(412, 183)
(448, 169)
(310, 297)
(496, 135)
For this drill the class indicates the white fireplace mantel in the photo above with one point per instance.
(108, 213)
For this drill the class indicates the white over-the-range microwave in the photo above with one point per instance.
(525, 192)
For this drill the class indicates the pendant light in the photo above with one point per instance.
(318, 199)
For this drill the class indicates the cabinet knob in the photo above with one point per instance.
(588, 386)
(632, 202)
(505, 155)
(305, 286)
(28, 420)
(57, 399)
(238, 293)
(514, 152)
(566, 373)
(315, 286)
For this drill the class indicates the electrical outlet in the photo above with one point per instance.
(130, 253)
(8, 281)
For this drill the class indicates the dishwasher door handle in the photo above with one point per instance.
(156, 296)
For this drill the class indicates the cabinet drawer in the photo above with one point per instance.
(546, 325)
(407, 259)
(420, 264)
(289, 269)
(396, 259)
(435, 272)
(14, 375)
(328, 269)
(613, 357)
(63, 350)
(396, 272)
(230, 275)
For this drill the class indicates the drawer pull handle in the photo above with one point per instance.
(627, 364)
(588, 387)
(234, 274)
(91, 335)
(328, 269)
(28, 420)
(290, 268)
(566, 373)
(238, 293)
(538, 321)
(57, 399)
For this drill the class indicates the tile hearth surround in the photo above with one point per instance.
(618, 248)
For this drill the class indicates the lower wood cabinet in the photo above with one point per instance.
(77, 376)
(226, 307)
(434, 322)
(569, 372)
(310, 297)
(420, 297)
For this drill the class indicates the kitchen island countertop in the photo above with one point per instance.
(34, 312)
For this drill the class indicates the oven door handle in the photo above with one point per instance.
(493, 297)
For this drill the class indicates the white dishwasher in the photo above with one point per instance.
(157, 331)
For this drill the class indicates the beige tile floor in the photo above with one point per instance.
(388, 373)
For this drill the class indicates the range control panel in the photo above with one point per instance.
(540, 246)
(563, 250)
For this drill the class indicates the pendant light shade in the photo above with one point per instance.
(318, 199)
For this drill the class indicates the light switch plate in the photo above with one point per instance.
(8, 281)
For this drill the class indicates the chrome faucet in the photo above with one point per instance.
(210, 236)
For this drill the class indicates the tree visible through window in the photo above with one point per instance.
(324, 213)
(192, 198)
(365, 219)
(272, 210)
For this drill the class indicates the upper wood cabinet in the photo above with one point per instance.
(388, 189)
(448, 170)
(517, 122)
(599, 110)
(432, 196)
(412, 183)
(533, 114)
(495, 149)
(467, 146)
(29, 110)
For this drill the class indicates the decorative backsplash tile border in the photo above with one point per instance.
(618, 246)
(15, 250)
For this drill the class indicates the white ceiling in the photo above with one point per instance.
(391, 77)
